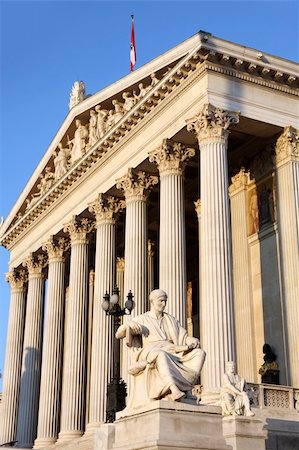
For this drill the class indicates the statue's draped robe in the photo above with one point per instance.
(154, 354)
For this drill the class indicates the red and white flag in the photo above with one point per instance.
(132, 47)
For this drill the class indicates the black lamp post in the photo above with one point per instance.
(116, 389)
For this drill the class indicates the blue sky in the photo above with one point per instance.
(47, 45)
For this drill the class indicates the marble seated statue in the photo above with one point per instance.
(165, 361)
(234, 398)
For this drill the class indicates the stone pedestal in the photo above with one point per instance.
(171, 425)
(244, 433)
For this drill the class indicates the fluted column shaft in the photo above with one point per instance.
(287, 170)
(135, 276)
(170, 159)
(104, 209)
(31, 363)
(13, 357)
(211, 126)
(243, 307)
(135, 187)
(74, 369)
(51, 374)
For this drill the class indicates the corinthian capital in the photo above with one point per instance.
(56, 248)
(78, 228)
(287, 145)
(105, 208)
(16, 279)
(211, 124)
(35, 264)
(171, 156)
(136, 186)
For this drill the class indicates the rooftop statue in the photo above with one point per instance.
(168, 360)
(77, 94)
(234, 398)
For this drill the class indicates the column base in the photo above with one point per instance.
(44, 442)
(92, 426)
(65, 436)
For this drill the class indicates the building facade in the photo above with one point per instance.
(184, 175)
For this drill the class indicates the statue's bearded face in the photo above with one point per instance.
(158, 304)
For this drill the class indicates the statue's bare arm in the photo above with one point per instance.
(135, 329)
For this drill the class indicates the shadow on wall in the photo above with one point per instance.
(282, 434)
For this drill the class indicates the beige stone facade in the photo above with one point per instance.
(191, 185)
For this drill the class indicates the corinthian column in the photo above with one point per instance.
(13, 358)
(170, 159)
(287, 171)
(211, 126)
(104, 209)
(30, 378)
(136, 188)
(51, 375)
(74, 365)
(243, 308)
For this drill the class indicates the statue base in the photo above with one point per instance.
(165, 424)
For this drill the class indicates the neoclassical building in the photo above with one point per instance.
(183, 175)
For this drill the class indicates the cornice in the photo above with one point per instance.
(189, 68)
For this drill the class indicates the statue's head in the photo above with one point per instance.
(230, 367)
(158, 299)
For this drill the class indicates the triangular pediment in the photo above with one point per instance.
(97, 123)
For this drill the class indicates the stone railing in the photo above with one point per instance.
(273, 396)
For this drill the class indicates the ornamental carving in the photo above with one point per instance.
(287, 145)
(240, 180)
(171, 156)
(197, 205)
(136, 184)
(35, 264)
(212, 123)
(151, 248)
(16, 279)
(78, 228)
(105, 208)
(56, 248)
(120, 263)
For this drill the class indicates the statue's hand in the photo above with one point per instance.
(192, 342)
(135, 328)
